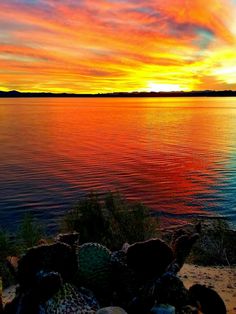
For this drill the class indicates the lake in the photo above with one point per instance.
(176, 155)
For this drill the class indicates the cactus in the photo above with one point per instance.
(94, 261)
(70, 300)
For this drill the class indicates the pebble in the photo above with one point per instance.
(111, 310)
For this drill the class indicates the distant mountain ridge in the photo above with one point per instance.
(206, 93)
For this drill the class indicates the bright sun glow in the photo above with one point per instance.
(153, 87)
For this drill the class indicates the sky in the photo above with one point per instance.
(99, 46)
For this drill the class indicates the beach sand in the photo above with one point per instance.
(221, 279)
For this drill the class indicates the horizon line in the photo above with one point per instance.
(15, 93)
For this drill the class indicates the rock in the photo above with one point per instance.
(72, 301)
(210, 301)
(182, 247)
(111, 310)
(94, 261)
(163, 309)
(149, 258)
(27, 302)
(57, 257)
(12, 263)
(169, 289)
(9, 294)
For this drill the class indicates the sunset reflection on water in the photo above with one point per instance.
(176, 155)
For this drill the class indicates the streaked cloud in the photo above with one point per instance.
(101, 45)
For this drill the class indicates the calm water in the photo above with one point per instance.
(178, 156)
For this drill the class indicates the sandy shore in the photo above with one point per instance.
(221, 279)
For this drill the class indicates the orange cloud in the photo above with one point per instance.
(104, 45)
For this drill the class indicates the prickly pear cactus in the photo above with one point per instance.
(94, 263)
(70, 300)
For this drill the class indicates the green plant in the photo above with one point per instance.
(87, 219)
(110, 220)
(30, 232)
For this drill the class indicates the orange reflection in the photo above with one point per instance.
(170, 154)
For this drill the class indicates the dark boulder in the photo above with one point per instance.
(210, 301)
(171, 290)
(168, 289)
(111, 310)
(182, 247)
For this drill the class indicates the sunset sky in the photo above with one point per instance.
(117, 45)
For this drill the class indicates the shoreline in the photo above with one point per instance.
(132, 94)
(220, 278)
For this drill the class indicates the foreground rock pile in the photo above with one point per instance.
(142, 278)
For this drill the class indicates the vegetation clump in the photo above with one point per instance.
(28, 235)
(30, 232)
(110, 220)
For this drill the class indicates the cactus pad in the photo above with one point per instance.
(70, 300)
(94, 267)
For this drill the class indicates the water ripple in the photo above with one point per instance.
(175, 157)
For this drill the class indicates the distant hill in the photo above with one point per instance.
(206, 93)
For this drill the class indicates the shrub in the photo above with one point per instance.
(30, 232)
(216, 245)
(110, 220)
